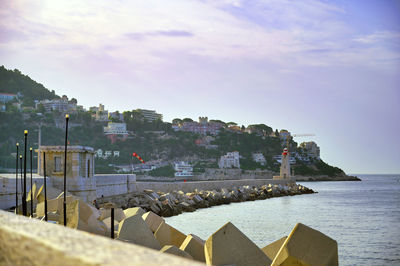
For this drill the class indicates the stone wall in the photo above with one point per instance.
(25, 241)
(109, 185)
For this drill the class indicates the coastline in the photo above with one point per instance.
(326, 178)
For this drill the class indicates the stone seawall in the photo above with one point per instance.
(170, 200)
(326, 178)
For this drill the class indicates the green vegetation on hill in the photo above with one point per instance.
(319, 168)
(151, 140)
(13, 81)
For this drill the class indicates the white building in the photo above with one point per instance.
(150, 115)
(116, 153)
(183, 169)
(258, 157)
(61, 105)
(230, 160)
(115, 129)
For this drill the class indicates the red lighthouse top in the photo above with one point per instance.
(285, 151)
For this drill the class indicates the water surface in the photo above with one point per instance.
(363, 217)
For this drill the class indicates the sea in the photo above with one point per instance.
(363, 217)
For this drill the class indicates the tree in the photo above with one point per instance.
(74, 101)
(177, 121)
(187, 120)
(231, 124)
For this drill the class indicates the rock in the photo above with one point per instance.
(194, 246)
(229, 245)
(155, 208)
(133, 211)
(119, 214)
(134, 230)
(167, 235)
(306, 246)
(272, 249)
(152, 220)
(170, 249)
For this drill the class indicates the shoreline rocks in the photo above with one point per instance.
(176, 202)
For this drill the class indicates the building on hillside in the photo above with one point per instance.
(6, 97)
(61, 105)
(116, 131)
(230, 160)
(116, 116)
(311, 148)
(235, 128)
(183, 169)
(150, 115)
(202, 127)
(258, 157)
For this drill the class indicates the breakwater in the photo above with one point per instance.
(177, 201)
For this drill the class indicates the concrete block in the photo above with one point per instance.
(119, 214)
(152, 220)
(167, 235)
(107, 222)
(307, 246)
(52, 193)
(229, 245)
(194, 246)
(272, 249)
(133, 211)
(133, 229)
(170, 249)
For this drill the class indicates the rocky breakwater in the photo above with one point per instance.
(176, 202)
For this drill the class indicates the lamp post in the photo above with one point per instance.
(16, 179)
(30, 149)
(20, 169)
(24, 207)
(65, 169)
(45, 187)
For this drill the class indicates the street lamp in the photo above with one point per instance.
(65, 169)
(16, 179)
(24, 207)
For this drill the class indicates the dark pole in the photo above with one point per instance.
(45, 188)
(16, 180)
(24, 207)
(65, 170)
(30, 149)
(20, 169)
(112, 223)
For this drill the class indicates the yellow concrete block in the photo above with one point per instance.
(230, 246)
(307, 246)
(119, 214)
(194, 246)
(152, 220)
(167, 235)
(272, 249)
(133, 229)
(170, 249)
(133, 211)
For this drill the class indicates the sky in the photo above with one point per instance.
(329, 68)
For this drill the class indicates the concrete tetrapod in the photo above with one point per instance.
(230, 246)
(306, 246)
(175, 251)
(272, 249)
(119, 214)
(133, 229)
(152, 220)
(194, 245)
(167, 235)
(133, 211)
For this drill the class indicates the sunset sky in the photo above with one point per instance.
(331, 68)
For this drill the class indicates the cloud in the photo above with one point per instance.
(162, 33)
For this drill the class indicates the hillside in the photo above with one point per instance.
(144, 138)
(13, 81)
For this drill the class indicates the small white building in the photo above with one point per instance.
(115, 129)
(258, 157)
(183, 169)
(230, 160)
(116, 153)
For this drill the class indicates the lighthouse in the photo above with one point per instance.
(285, 166)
